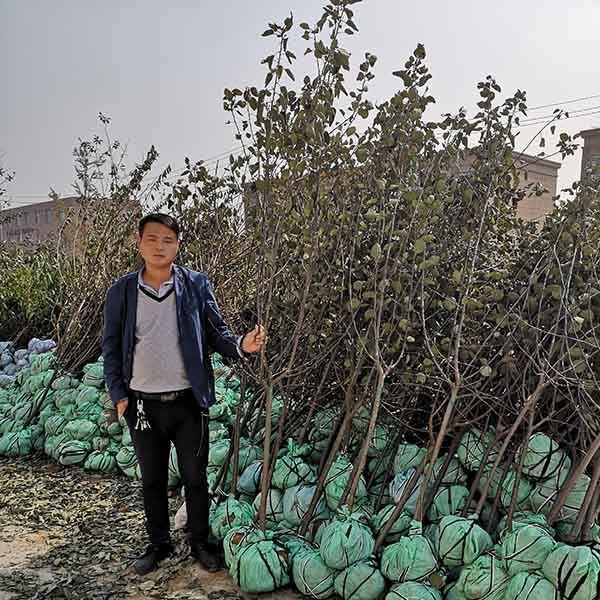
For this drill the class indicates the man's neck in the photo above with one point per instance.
(154, 276)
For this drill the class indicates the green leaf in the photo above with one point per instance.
(420, 245)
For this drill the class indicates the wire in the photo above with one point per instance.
(209, 161)
(569, 113)
(562, 119)
(575, 114)
(45, 198)
(564, 102)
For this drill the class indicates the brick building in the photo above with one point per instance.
(35, 222)
(591, 150)
(533, 169)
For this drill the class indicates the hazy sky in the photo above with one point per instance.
(158, 68)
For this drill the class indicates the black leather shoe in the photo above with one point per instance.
(152, 555)
(207, 557)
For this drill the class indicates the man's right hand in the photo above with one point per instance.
(122, 407)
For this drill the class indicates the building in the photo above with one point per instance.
(532, 170)
(34, 223)
(544, 172)
(591, 150)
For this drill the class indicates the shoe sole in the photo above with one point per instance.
(154, 568)
(145, 571)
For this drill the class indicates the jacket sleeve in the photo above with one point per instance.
(218, 335)
(111, 345)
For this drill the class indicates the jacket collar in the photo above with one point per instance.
(166, 284)
(132, 293)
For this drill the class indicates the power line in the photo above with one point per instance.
(568, 114)
(209, 161)
(562, 119)
(564, 102)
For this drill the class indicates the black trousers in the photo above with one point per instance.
(184, 423)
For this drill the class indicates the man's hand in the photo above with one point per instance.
(122, 407)
(254, 340)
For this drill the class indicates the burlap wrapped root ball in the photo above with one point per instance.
(127, 461)
(574, 571)
(218, 453)
(521, 519)
(248, 453)
(400, 484)
(472, 448)
(564, 532)
(53, 444)
(485, 578)
(447, 474)
(544, 459)
(379, 494)
(249, 481)
(400, 527)
(412, 590)
(411, 558)
(38, 436)
(292, 542)
(291, 469)
(230, 514)
(545, 494)
(530, 586)
(523, 492)
(312, 577)
(447, 501)
(459, 541)
(360, 581)
(55, 425)
(337, 479)
(174, 475)
(274, 508)
(408, 456)
(492, 480)
(296, 501)
(260, 567)
(16, 443)
(379, 441)
(103, 462)
(345, 541)
(502, 483)
(526, 549)
(318, 434)
(237, 537)
(73, 452)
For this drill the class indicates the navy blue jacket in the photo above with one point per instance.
(201, 330)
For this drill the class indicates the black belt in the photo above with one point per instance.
(162, 396)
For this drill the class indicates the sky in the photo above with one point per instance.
(158, 69)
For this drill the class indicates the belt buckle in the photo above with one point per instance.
(168, 397)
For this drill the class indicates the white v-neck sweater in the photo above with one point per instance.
(157, 358)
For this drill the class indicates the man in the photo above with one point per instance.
(160, 324)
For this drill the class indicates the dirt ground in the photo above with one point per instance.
(65, 533)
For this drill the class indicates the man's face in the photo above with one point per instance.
(158, 245)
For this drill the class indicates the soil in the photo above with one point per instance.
(66, 534)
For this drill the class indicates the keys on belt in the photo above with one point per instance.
(161, 396)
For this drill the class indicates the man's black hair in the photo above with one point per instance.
(161, 218)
